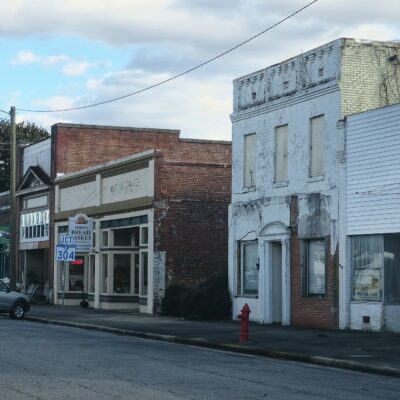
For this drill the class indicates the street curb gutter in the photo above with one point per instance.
(237, 348)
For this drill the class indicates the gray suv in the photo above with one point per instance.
(15, 303)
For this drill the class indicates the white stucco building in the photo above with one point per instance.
(288, 213)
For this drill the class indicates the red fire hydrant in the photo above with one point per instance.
(244, 317)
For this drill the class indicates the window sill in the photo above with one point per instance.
(249, 189)
(280, 184)
(366, 301)
(246, 296)
(312, 179)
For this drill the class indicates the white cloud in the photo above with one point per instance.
(56, 59)
(56, 102)
(70, 67)
(170, 36)
(24, 57)
(76, 68)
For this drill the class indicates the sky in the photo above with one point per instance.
(71, 53)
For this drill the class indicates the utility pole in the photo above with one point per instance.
(13, 205)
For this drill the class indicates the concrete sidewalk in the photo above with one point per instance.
(362, 351)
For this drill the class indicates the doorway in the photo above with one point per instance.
(276, 269)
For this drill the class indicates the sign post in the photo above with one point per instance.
(65, 252)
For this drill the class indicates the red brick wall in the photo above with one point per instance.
(192, 189)
(192, 220)
(311, 311)
(77, 146)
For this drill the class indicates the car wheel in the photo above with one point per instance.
(18, 311)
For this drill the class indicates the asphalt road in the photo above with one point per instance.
(53, 362)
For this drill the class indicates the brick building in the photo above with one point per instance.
(288, 210)
(160, 209)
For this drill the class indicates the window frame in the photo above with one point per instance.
(388, 294)
(285, 158)
(311, 174)
(305, 268)
(241, 290)
(249, 183)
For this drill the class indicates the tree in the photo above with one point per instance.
(26, 131)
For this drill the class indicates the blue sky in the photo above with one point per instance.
(67, 53)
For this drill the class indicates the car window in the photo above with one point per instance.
(3, 286)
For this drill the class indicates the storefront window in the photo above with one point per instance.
(144, 274)
(392, 267)
(76, 269)
(92, 261)
(104, 238)
(122, 238)
(122, 273)
(367, 263)
(104, 274)
(136, 274)
(144, 235)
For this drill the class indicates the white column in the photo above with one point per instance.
(261, 280)
(268, 289)
(285, 282)
(97, 279)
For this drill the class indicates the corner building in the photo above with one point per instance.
(287, 222)
(160, 210)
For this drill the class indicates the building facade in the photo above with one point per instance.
(160, 210)
(288, 212)
(33, 194)
(373, 219)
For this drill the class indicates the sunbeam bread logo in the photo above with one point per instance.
(81, 228)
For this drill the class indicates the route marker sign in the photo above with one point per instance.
(65, 252)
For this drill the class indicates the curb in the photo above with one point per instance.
(236, 348)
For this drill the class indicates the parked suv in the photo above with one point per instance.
(15, 303)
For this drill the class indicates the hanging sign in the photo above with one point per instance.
(81, 228)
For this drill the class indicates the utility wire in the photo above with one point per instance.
(178, 75)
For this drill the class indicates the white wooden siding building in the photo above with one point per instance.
(373, 218)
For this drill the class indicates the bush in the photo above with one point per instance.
(171, 302)
(209, 300)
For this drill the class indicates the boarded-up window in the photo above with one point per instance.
(317, 146)
(250, 160)
(281, 153)
(314, 267)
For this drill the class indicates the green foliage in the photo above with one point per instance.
(26, 131)
(171, 300)
(208, 301)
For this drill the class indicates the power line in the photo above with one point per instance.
(180, 74)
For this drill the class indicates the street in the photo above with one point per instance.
(41, 361)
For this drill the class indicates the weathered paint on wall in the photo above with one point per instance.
(37, 154)
(341, 77)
